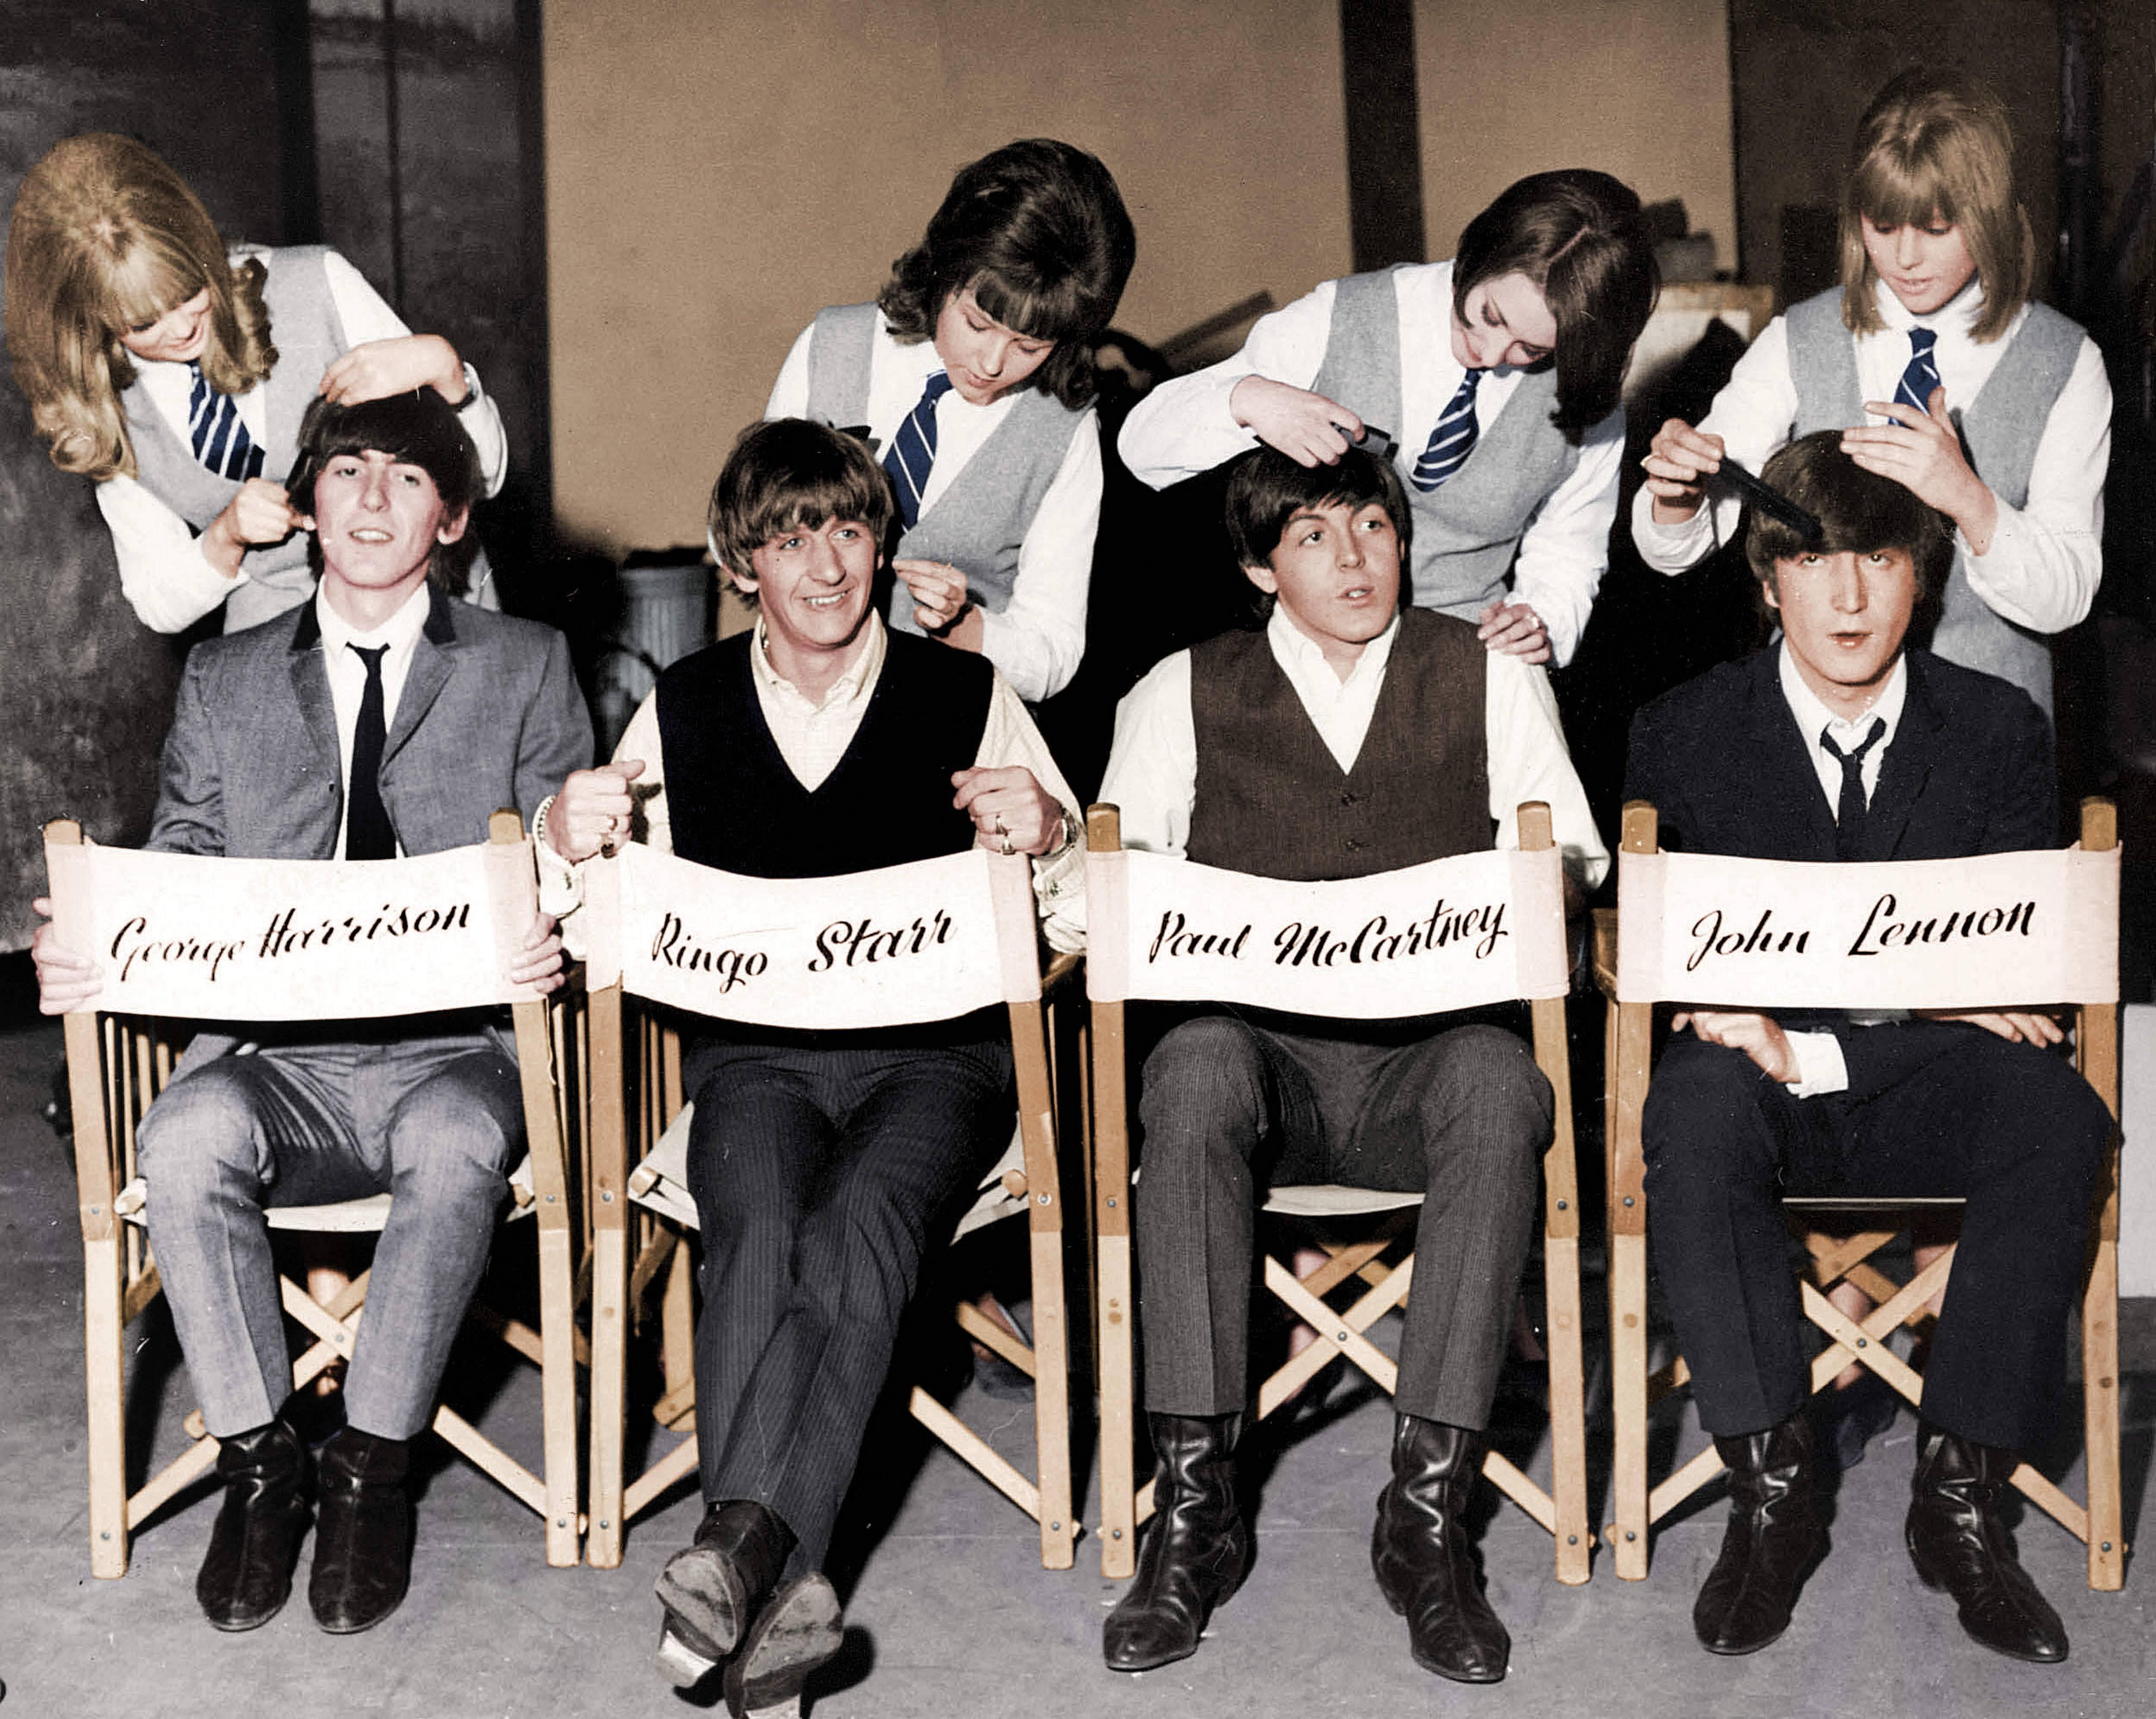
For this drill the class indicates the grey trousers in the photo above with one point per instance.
(430, 1120)
(1231, 1108)
(822, 1174)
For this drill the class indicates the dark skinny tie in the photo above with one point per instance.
(1850, 809)
(366, 832)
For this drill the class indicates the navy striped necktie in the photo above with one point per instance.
(1453, 439)
(913, 449)
(221, 441)
(1923, 375)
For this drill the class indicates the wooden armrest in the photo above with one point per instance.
(1604, 951)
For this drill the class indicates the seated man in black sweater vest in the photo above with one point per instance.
(823, 1163)
(1837, 744)
(1349, 737)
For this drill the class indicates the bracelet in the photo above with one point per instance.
(1066, 834)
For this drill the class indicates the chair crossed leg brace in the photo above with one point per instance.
(1836, 1255)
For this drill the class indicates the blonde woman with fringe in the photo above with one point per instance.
(172, 371)
(1941, 375)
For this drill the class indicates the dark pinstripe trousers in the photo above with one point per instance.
(822, 1172)
(1231, 1108)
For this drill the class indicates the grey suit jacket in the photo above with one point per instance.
(490, 717)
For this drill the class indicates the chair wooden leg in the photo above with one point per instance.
(104, 1367)
(2107, 1519)
(1574, 1536)
(1118, 1413)
(557, 1385)
(1630, 1043)
(1051, 1401)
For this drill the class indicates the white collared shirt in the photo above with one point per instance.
(348, 673)
(1187, 426)
(163, 573)
(1037, 640)
(2045, 558)
(1152, 768)
(1814, 719)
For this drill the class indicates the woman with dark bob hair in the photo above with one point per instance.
(144, 344)
(1498, 373)
(972, 375)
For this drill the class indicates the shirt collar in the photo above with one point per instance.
(1814, 718)
(1957, 316)
(399, 631)
(860, 676)
(1295, 648)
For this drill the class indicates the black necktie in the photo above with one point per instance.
(1850, 809)
(366, 832)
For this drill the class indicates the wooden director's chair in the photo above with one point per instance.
(639, 1155)
(118, 1063)
(1823, 1226)
(1360, 1266)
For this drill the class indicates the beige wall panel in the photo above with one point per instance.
(716, 171)
(1637, 88)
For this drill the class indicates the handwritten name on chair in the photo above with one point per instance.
(907, 943)
(186, 936)
(1999, 929)
(1452, 934)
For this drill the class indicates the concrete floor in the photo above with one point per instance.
(949, 1612)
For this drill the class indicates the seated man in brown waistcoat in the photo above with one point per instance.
(1349, 737)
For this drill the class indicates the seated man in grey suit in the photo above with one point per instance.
(1350, 737)
(1839, 744)
(381, 718)
(824, 1164)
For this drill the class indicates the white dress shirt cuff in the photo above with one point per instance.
(1820, 1068)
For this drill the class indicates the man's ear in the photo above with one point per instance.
(451, 528)
(746, 586)
(1767, 593)
(1265, 578)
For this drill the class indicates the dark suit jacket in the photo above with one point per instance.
(490, 717)
(1970, 771)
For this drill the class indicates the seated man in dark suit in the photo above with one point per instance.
(381, 718)
(824, 1164)
(1349, 737)
(1838, 743)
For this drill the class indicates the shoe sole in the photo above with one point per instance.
(678, 1663)
(703, 1601)
(799, 1629)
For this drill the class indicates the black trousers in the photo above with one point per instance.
(1231, 1108)
(1940, 1109)
(821, 1174)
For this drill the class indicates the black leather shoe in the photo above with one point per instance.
(1425, 1563)
(363, 1537)
(798, 1628)
(1958, 1543)
(1773, 1538)
(246, 1575)
(712, 1589)
(1196, 1550)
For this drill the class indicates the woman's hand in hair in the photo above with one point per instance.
(374, 370)
(1516, 630)
(260, 512)
(1676, 460)
(1922, 452)
(1309, 429)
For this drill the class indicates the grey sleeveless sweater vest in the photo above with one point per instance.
(308, 337)
(1270, 798)
(1999, 431)
(979, 523)
(1466, 532)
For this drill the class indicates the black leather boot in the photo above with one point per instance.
(1773, 1538)
(713, 1588)
(1958, 1543)
(363, 1539)
(1425, 1565)
(1196, 1550)
(246, 1575)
